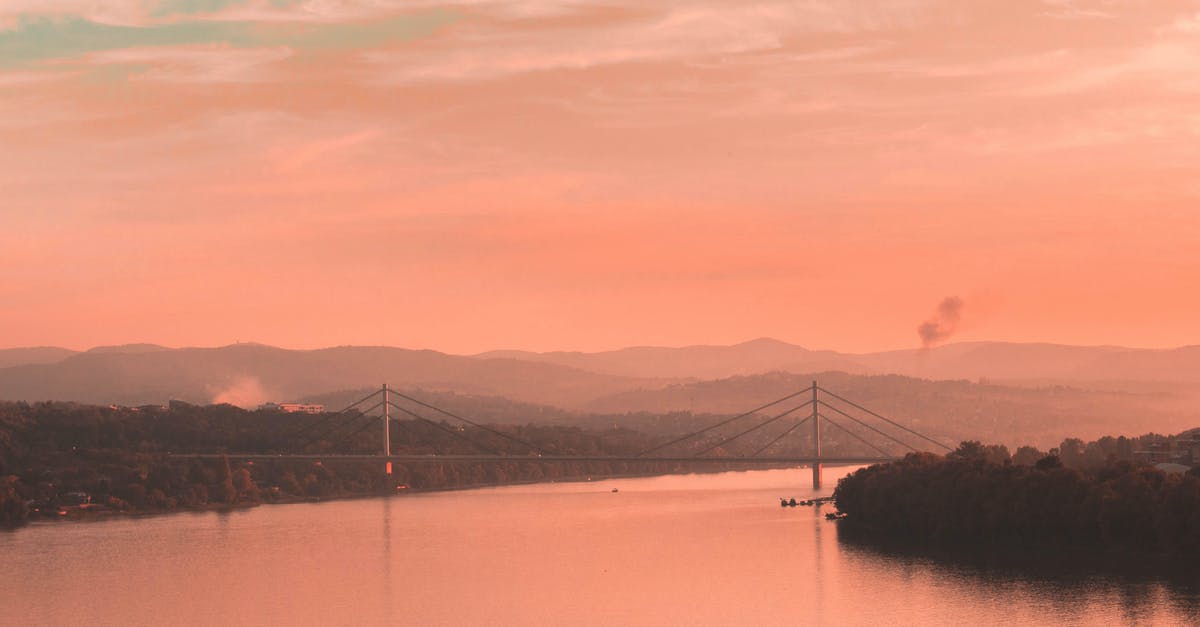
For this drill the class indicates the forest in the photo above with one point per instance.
(68, 460)
(1093, 496)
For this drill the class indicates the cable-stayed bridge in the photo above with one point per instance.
(806, 412)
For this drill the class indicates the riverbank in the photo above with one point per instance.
(92, 462)
(1120, 508)
(97, 513)
(670, 549)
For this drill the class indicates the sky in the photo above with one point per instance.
(582, 175)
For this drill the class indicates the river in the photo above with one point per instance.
(678, 550)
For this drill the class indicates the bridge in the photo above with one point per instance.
(866, 427)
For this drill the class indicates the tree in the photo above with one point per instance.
(243, 484)
(224, 491)
(13, 510)
(1027, 456)
(1049, 462)
(1071, 452)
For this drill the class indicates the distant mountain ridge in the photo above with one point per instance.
(1005, 361)
(249, 374)
(699, 362)
(246, 374)
(33, 355)
(950, 410)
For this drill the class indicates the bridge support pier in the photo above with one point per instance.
(816, 435)
(387, 434)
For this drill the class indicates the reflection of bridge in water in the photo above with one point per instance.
(863, 425)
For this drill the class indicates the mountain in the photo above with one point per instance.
(1177, 364)
(248, 374)
(33, 355)
(947, 410)
(1027, 363)
(639, 379)
(697, 362)
(993, 360)
(129, 349)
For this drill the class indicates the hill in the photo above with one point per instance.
(698, 362)
(1025, 363)
(992, 360)
(248, 374)
(948, 410)
(33, 355)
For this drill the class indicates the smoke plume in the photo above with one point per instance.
(942, 325)
(244, 392)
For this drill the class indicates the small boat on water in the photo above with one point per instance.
(614, 490)
(817, 502)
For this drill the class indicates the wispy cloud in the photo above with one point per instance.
(513, 145)
(213, 63)
(42, 38)
(691, 32)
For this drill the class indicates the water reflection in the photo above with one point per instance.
(697, 550)
(1071, 583)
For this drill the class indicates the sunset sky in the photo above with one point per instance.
(588, 175)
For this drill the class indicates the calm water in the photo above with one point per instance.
(690, 550)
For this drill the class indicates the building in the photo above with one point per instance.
(1182, 449)
(295, 408)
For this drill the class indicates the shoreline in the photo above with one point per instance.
(95, 515)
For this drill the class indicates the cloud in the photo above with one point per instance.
(42, 38)
(299, 156)
(151, 12)
(1188, 24)
(192, 7)
(206, 63)
(653, 33)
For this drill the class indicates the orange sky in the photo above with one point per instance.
(587, 175)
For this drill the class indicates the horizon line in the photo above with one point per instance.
(156, 345)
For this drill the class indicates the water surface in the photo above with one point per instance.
(680, 550)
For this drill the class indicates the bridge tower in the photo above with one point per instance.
(387, 436)
(816, 420)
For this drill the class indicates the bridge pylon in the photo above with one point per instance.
(816, 420)
(387, 434)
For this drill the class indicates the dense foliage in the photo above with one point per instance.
(977, 495)
(66, 459)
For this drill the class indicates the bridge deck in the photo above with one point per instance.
(409, 459)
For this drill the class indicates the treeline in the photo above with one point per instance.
(978, 495)
(66, 459)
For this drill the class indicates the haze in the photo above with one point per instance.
(584, 175)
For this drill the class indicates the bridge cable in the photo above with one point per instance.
(854, 435)
(722, 423)
(781, 436)
(357, 431)
(729, 439)
(335, 427)
(470, 422)
(367, 424)
(452, 432)
(892, 438)
(329, 416)
(338, 425)
(889, 421)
